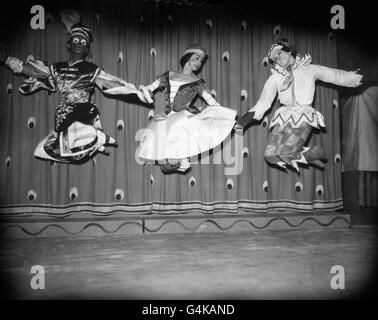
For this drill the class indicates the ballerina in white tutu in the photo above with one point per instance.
(193, 122)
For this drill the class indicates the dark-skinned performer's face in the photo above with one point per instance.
(78, 45)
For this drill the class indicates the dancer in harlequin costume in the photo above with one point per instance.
(294, 80)
(77, 133)
(193, 122)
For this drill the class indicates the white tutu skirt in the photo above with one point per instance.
(181, 135)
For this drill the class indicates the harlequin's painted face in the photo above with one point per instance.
(195, 61)
(282, 58)
(78, 45)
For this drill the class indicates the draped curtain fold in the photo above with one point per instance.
(134, 28)
(360, 143)
(360, 131)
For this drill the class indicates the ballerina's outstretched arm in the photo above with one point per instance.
(206, 95)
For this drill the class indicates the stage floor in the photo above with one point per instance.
(269, 264)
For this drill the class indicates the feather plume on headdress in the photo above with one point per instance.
(69, 17)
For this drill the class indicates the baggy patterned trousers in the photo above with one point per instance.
(285, 145)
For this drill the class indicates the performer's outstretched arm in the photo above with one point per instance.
(206, 95)
(266, 99)
(40, 75)
(336, 76)
(110, 84)
(36, 69)
(106, 81)
(264, 103)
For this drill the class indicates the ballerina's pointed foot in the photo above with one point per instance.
(104, 151)
(111, 141)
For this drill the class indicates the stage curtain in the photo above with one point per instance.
(360, 143)
(368, 189)
(360, 131)
(134, 28)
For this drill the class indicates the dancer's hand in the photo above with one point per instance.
(257, 116)
(245, 120)
(145, 95)
(128, 84)
(14, 64)
(306, 60)
(360, 77)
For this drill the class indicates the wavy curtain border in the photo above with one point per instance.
(239, 206)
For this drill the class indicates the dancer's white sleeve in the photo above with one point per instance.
(154, 85)
(336, 76)
(107, 81)
(267, 96)
(30, 68)
(40, 75)
(209, 98)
